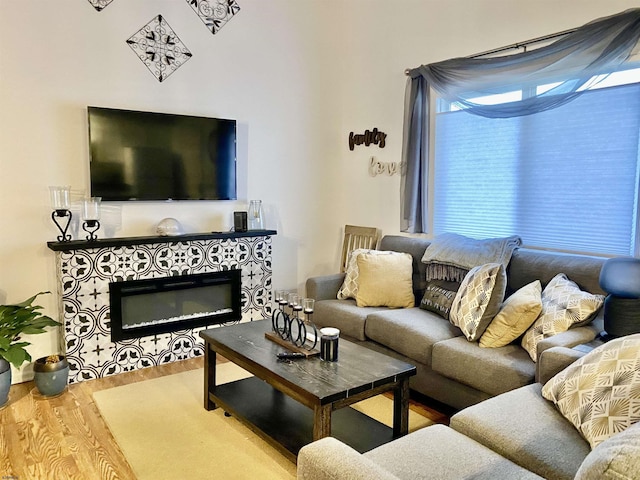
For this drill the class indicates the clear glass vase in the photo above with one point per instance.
(256, 221)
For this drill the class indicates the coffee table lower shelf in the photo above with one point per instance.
(287, 424)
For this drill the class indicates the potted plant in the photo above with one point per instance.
(50, 374)
(16, 320)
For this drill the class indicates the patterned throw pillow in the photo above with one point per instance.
(563, 305)
(517, 314)
(600, 393)
(349, 287)
(478, 299)
(385, 281)
(438, 297)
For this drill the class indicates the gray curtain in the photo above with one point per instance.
(597, 48)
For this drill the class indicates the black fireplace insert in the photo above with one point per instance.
(141, 308)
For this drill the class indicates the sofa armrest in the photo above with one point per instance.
(569, 339)
(325, 287)
(328, 459)
(553, 360)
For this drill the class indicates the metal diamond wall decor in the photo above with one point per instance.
(159, 48)
(100, 4)
(215, 13)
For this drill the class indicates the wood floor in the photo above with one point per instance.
(65, 438)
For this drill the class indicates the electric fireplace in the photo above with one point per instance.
(141, 308)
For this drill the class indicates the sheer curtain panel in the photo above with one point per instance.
(570, 66)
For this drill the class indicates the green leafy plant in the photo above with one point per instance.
(21, 319)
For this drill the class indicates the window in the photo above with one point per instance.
(564, 179)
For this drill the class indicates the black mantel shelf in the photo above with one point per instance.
(127, 241)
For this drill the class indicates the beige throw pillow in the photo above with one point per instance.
(600, 393)
(478, 299)
(517, 314)
(385, 280)
(563, 305)
(349, 287)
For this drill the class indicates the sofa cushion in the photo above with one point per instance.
(529, 265)
(440, 452)
(415, 246)
(600, 393)
(478, 299)
(411, 332)
(617, 458)
(563, 305)
(385, 281)
(525, 428)
(343, 314)
(329, 458)
(490, 370)
(517, 314)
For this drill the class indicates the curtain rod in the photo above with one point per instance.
(516, 45)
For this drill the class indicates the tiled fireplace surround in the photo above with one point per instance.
(85, 269)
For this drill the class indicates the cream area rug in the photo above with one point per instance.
(165, 432)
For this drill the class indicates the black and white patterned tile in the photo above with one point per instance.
(84, 277)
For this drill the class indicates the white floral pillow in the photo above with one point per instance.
(563, 305)
(349, 287)
(600, 393)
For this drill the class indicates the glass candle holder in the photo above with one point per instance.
(294, 302)
(91, 208)
(308, 304)
(91, 216)
(282, 297)
(60, 203)
(60, 197)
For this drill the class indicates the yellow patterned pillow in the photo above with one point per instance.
(517, 314)
(385, 280)
(600, 393)
(563, 305)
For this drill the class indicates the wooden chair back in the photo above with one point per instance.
(357, 237)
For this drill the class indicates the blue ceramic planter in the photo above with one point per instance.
(51, 378)
(5, 381)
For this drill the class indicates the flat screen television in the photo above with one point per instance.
(158, 156)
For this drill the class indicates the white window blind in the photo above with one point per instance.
(564, 179)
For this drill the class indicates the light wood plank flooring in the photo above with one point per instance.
(65, 438)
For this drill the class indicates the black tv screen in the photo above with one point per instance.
(158, 156)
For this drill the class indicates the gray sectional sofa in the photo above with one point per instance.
(515, 435)
(505, 428)
(451, 369)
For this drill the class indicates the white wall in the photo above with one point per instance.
(298, 75)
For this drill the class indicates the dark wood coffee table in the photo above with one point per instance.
(291, 403)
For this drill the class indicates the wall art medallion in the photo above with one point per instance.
(100, 4)
(159, 48)
(215, 13)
